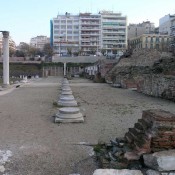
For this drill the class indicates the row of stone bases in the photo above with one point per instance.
(69, 111)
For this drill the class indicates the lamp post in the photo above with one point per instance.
(60, 46)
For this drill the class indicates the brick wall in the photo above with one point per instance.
(154, 132)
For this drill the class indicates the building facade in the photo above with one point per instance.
(150, 41)
(165, 24)
(12, 44)
(113, 32)
(88, 33)
(64, 34)
(39, 41)
(135, 30)
(172, 34)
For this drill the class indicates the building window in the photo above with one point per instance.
(56, 26)
(76, 27)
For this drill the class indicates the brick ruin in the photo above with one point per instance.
(154, 132)
(148, 71)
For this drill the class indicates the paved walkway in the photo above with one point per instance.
(31, 144)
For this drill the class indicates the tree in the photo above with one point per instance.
(19, 53)
(48, 50)
(32, 51)
(69, 51)
(92, 51)
(11, 51)
(103, 51)
(25, 48)
(114, 51)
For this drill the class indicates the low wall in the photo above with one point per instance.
(158, 85)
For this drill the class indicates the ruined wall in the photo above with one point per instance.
(158, 85)
(151, 72)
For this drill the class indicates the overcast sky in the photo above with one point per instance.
(28, 18)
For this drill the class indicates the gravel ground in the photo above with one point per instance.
(32, 144)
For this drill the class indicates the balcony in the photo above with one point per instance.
(90, 34)
(111, 32)
(90, 23)
(90, 28)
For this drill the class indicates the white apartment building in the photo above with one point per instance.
(39, 41)
(113, 32)
(65, 33)
(88, 33)
(165, 24)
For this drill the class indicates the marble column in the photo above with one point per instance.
(5, 58)
(64, 69)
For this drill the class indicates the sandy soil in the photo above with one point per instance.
(35, 145)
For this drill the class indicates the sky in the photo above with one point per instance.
(25, 19)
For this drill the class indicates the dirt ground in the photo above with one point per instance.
(32, 144)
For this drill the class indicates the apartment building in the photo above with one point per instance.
(113, 32)
(135, 30)
(165, 24)
(172, 35)
(12, 44)
(65, 33)
(150, 41)
(39, 41)
(88, 33)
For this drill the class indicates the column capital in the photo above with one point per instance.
(5, 34)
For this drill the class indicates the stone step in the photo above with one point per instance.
(136, 135)
(142, 142)
(139, 127)
(129, 137)
(144, 124)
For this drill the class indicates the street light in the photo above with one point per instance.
(60, 46)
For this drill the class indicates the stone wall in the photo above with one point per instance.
(157, 85)
(150, 72)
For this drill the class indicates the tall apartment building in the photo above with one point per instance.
(113, 32)
(165, 24)
(89, 33)
(65, 33)
(12, 44)
(39, 41)
(135, 30)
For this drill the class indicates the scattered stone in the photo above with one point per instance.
(131, 156)
(161, 161)
(2, 169)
